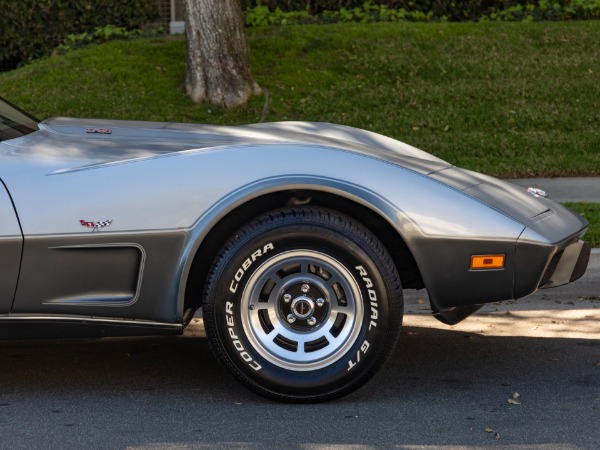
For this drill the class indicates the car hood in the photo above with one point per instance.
(512, 200)
(77, 143)
(63, 145)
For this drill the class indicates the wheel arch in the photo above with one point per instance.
(212, 230)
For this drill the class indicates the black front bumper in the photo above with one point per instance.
(567, 265)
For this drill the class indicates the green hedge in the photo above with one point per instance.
(32, 28)
(456, 10)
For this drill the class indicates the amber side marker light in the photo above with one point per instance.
(482, 262)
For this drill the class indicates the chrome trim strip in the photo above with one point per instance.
(57, 318)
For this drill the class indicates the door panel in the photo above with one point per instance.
(102, 275)
(11, 246)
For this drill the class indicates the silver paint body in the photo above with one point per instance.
(165, 185)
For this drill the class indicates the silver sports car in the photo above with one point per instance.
(296, 239)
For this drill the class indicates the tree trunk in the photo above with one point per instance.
(218, 58)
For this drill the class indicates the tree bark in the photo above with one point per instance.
(218, 57)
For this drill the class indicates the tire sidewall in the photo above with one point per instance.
(247, 255)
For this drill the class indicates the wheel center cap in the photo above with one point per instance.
(303, 307)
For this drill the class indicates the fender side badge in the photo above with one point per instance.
(95, 225)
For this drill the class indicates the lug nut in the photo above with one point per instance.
(305, 288)
(287, 298)
(311, 321)
(320, 301)
(291, 318)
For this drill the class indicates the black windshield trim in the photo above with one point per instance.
(18, 129)
(25, 113)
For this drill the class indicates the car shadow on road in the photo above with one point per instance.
(170, 390)
(425, 359)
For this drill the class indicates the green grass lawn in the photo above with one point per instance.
(507, 99)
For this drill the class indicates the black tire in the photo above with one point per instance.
(303, 305)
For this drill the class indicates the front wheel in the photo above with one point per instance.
(303, 304)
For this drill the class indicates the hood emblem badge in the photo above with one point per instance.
(99, 130)
(95, 225)
(536, 192)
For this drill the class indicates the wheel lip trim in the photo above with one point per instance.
(354, 325)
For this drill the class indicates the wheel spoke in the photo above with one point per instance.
(273, 298)
(331, 282)
(338, 309)
(304, 267)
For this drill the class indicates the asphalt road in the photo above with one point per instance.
(445, 387)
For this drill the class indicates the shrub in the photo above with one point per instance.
(271, 12)
(32, 28)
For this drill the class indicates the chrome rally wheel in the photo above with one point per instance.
(303, 304)
(301, 310)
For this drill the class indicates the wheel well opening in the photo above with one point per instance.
(216, 238)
